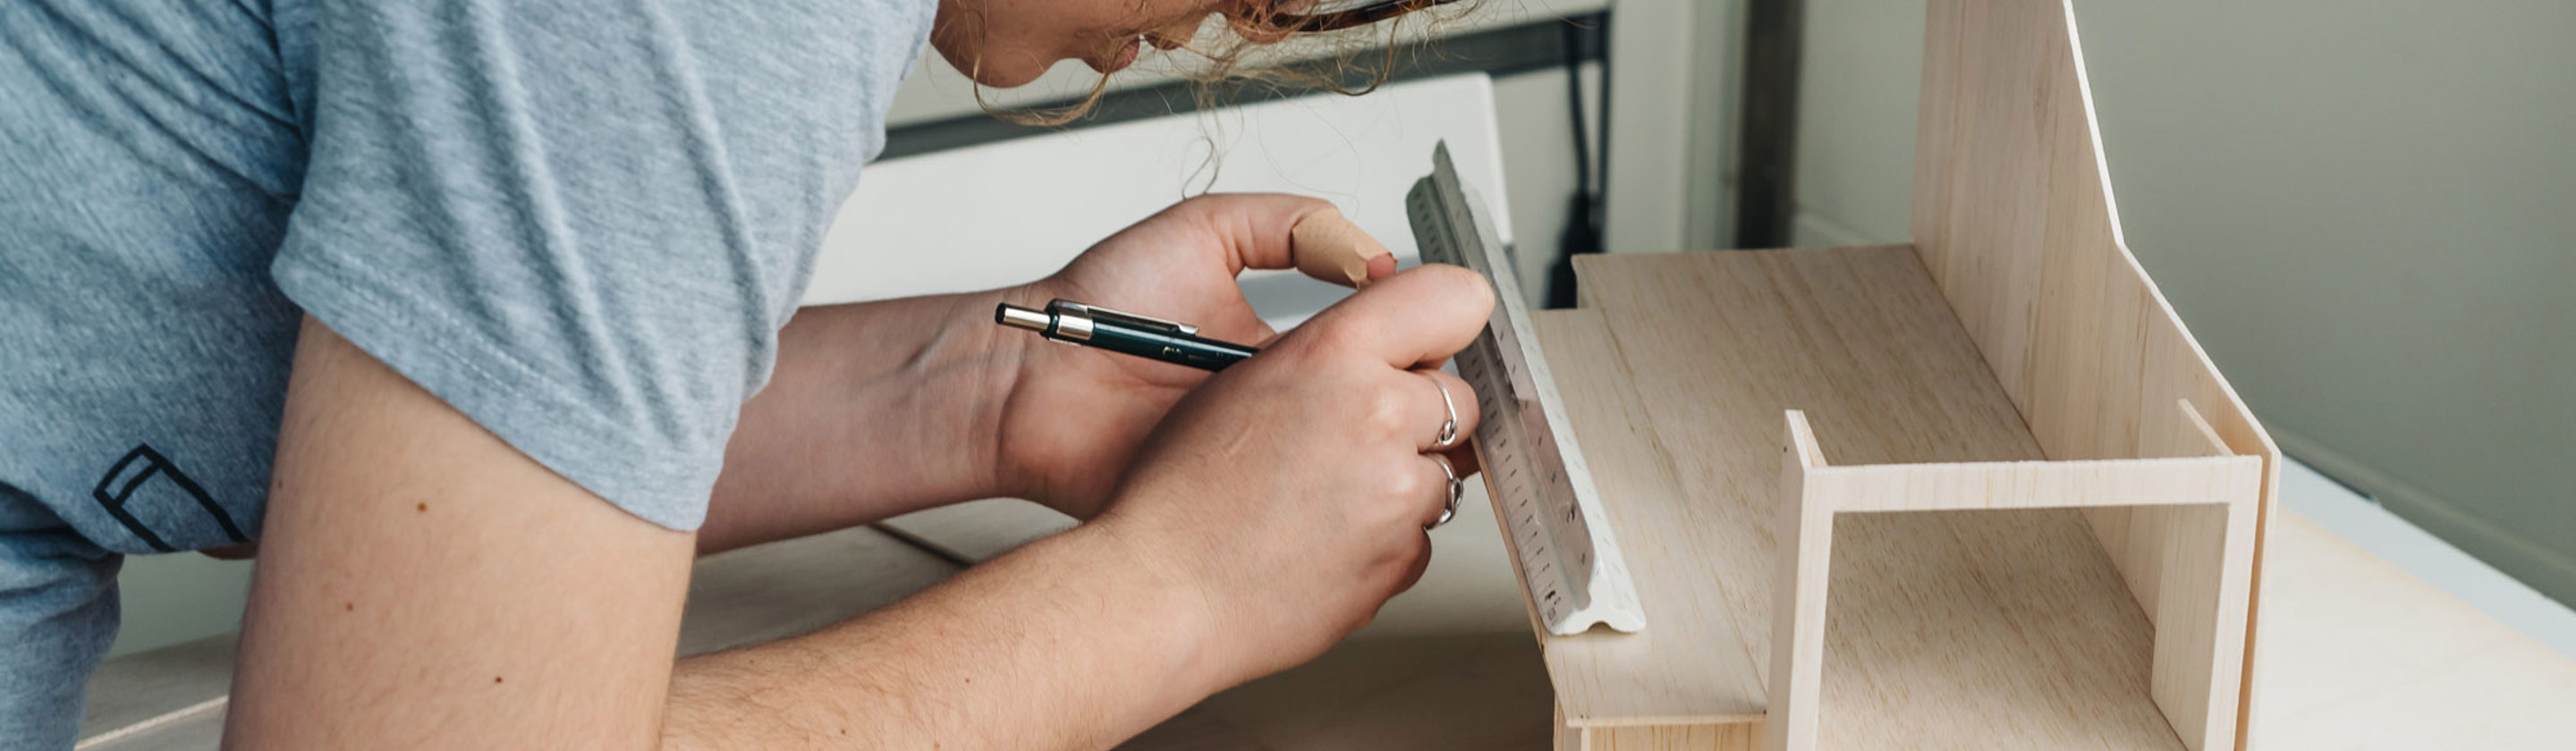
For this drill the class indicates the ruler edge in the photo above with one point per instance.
(1623, 611)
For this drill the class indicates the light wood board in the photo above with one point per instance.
(2214, 492)
(2005, 629)
(2014, 219)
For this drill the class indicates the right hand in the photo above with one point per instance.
(1292, 490)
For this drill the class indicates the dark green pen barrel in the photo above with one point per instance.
(1178, 349)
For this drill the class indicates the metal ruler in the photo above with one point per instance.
(1535, 473)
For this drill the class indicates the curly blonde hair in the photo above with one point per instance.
(1257, 28)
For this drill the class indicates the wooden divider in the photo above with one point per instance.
(2014, 219)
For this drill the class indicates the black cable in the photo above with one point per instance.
(1582, 235)
(1574, 104)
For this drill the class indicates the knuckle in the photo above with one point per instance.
(1409, 482)
(1340, 335)
(1462, 395)
(1384, 410)
(1325, 335)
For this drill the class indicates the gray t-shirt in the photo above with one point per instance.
(579, 222)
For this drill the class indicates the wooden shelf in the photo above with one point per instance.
(1978, 491)
(2009, 628)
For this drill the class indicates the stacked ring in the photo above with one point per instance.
(1447, 438)
(1457, 488)
(1448, 429)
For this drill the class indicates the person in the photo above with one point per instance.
(475, 320)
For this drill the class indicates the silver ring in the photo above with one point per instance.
(1457, 488)
(1448, 428)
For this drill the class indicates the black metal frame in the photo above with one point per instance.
(1767, 127)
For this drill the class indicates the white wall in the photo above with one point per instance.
(177, 597)
(2366, 211)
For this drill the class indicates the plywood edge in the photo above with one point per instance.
(1667, 721)
(2247, 436)
(2036, 484)
(1728, 736)
(1805, 536)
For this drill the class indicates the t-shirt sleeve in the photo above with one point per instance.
(582, 222)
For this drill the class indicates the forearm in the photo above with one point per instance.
(1069, 643)
(875, 409)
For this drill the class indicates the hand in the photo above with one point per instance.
(1074, 416)
(1291, 491)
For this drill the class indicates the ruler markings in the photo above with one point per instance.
(1561, 537)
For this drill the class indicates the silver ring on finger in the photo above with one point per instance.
(1448, 428)
(1457, 488)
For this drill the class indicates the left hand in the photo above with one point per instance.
(1074, 416)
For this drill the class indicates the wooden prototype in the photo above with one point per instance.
(1980, 491)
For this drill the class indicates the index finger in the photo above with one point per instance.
(1415, 318)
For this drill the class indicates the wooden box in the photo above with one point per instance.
(1980, 491)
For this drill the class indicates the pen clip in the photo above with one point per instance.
(1061, 305)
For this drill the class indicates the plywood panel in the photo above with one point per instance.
(1730, 737)
(2014, 219)
(1676, 555)
(2010, 627)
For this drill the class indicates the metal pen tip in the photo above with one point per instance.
(1022, 318)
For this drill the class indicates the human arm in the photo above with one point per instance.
(881, 408)
(426, 585)
(1275, 510)
(413, 556)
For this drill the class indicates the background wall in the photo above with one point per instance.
(2365, 209)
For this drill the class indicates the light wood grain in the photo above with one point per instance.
(1799, 595)
(1728, 737)
(2193, 670)
(2204, 584)
(1463, 692)
(1602, 675)
(1992, 629)
(2015, 221)
(2006, 485)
